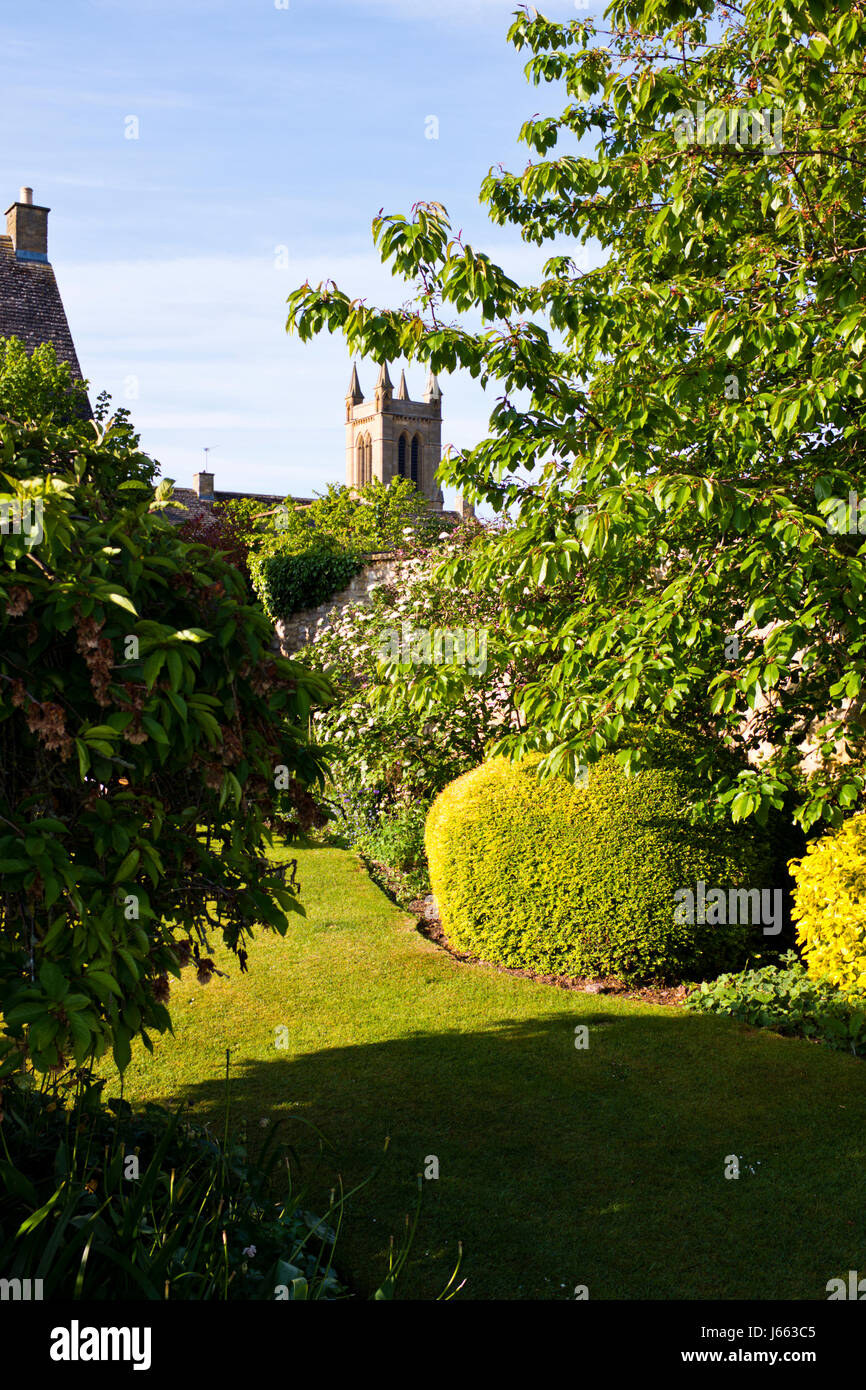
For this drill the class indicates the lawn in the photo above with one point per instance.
(558, 1167)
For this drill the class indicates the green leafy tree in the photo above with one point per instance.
(35, 386)
(146, 730)
(680, 433)
(377, 517)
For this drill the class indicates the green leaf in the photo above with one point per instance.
(105, 983)
(53, 981)
(83, 758)
(128, 866)
(122, 1051)
(122, 602)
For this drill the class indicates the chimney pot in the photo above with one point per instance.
(26, 195)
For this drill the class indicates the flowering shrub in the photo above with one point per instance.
(143, 718)
(387, 761)
(376, 734)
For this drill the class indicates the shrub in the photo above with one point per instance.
(392, 839)
(376, 517)
(287, 580)
(35, 386)
(199, 1222)
(578, 880)
(830, 905)
(194, 1218)
(784, 997)
(377, 733)
(301, 555)
(142, 717)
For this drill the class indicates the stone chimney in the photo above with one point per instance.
(27, 225)
(203, 486)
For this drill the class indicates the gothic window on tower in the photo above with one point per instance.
(416, 459)
(401, 456)
(359, 470)
(368, 461)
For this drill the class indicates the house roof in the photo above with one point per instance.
(30, 305)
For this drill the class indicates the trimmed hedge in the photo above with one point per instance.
(573, 880)
(830, 906)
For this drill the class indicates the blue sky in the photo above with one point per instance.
(268, 139)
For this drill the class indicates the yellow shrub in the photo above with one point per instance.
(574, 880)
(830, 906)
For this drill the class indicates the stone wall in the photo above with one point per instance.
(295, 632)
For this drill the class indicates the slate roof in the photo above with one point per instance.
(189, 506)
(30, 305)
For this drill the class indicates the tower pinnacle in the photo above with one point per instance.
(354, 393)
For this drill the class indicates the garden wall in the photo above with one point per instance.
(302, 627)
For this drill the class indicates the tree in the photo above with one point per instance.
(680, 432)
(376, 517)
(145, 732)
(35, 386)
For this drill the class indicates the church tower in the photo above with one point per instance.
(391, 436)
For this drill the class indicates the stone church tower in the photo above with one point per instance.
(392, 437)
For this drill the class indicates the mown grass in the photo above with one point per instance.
(558, 1167)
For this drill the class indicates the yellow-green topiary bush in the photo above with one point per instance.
(577, 880)
(830, 906)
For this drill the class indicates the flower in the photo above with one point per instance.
(19, 601)
(250, 1250)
